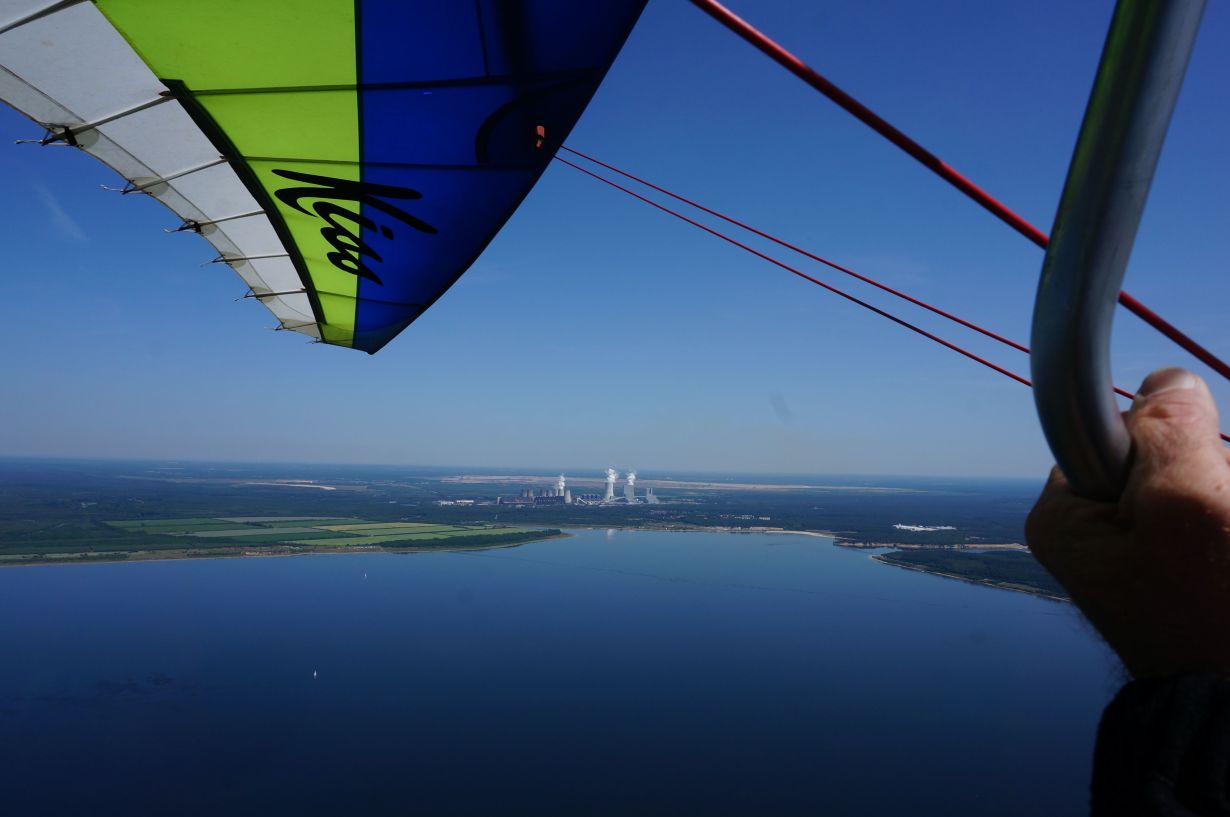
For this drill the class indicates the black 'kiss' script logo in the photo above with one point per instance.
(344, 227)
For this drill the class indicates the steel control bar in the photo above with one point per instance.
(1129, 110)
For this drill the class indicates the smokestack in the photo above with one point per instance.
(611, 477)
(630, 488)
(567, 496)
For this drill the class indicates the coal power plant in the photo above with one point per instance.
(561, 494)
(613, 497)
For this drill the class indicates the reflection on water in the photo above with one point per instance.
(638, 673)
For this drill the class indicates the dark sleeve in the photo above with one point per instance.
(1163, 749)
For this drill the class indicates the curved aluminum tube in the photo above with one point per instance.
(1138, 80)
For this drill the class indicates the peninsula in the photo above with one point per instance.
(1007, 570)
(211, 537)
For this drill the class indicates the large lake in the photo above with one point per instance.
(615, 672)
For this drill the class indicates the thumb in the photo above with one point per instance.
(1174, 428)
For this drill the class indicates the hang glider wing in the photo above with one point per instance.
(349, 159)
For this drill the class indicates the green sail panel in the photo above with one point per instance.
(259, 99)
(350, 159)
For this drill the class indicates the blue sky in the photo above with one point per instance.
(596, 331)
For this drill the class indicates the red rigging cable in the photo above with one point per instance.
(869, 117)
(899, 321)
(941, 168)
(783, 243)
(1006, 372)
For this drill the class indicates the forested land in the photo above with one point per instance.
(1016, 569)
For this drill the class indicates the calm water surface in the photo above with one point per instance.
(610, 673)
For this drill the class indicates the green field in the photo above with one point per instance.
(349, 541)
(230, 533)
(176, 525)
(376, 536)
(153, 523)
(187, 527)
(295, 522)
(405, 531)
(372, 526)
(269, 537)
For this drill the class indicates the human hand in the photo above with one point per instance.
(1152, 571)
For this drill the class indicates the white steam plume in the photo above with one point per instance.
(560, 485)
(631, 478)
(612, 476)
